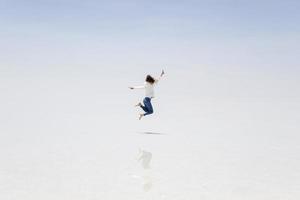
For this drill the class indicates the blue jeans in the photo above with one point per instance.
(147, 106)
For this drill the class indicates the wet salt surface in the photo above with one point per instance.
(130, 165)
(67, 139)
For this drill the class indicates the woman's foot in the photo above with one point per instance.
(140, 117)
(139, 104)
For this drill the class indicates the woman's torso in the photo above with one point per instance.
(149, 90)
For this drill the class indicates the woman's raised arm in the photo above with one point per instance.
(161, 74)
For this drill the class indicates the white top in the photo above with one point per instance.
(149, 89)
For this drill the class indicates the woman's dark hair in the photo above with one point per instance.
(150, 79)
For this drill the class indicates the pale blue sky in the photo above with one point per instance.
(89, 28)
(138, 16)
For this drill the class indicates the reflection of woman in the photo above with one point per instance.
(145, 157)
(149, 84)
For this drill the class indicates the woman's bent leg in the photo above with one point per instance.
(144, 107)
(148, 106)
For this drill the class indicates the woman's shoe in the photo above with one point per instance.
(140, 117)
(139, 104)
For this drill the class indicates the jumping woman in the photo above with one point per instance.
(149, 84)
